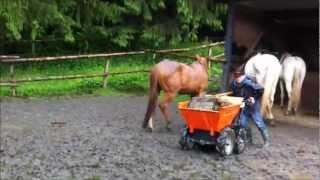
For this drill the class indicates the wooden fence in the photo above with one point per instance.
(13, 60)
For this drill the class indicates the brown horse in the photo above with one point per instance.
(173, 78)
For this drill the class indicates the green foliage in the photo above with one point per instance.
(12, 18)
(88, 84)
(97, 25)
(94, 178)
(130, 83)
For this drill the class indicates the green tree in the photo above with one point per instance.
(109, 24)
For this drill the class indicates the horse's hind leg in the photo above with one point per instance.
(288, 83)
(281, 94)
(168, 97)
(272, 100)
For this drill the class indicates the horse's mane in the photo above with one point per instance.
(252, 78)
(287, 54)
(284, 56)
(263, 51)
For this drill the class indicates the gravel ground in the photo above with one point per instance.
(101, 138)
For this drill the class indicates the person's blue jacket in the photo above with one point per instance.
(247, 88)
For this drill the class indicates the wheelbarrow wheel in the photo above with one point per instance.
(241, 138)
(185, 142)
(226, 142)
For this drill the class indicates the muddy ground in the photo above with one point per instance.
(101, 138)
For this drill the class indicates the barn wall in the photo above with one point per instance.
(310, 94)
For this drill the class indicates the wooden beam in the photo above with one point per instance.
(55, 78)
(8, 57)
(186, 49)
(8, 84)
(228, 46)
(75, 57)
(71, 57)
(72, 76)
(217, 58)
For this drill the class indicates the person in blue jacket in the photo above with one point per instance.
(246, 87)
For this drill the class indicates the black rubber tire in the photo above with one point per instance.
(240, 144)
(183, 139)
(227, 148)
(186, 143)
(182, 143)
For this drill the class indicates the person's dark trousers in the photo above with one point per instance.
(253, 112)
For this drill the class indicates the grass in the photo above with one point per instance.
(94, 178)
(121, 85)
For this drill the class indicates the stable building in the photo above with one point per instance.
(276, 26)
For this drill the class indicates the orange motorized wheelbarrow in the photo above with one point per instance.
(210, 127)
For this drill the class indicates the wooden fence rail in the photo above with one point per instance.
(12, 60)
(77, 57)
(8, 57)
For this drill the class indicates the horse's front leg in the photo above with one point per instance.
(202, 93)
(193, 95)
(168, 97)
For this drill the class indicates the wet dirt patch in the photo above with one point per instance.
(101, 137)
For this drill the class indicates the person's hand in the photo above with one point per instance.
(251, 100)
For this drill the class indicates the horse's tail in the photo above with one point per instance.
(269, 90)
(153, 96)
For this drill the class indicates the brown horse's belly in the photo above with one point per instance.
(187, 91)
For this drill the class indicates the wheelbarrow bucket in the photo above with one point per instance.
(209, 120)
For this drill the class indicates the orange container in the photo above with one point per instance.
(211, 121)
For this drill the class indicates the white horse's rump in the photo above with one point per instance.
(266, 68)
(292, 76)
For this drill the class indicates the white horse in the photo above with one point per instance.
(266, 69)
(292, 76)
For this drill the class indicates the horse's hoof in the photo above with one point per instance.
(294, 112)
(148, 129)
(288, 113)
(169, 129)
(272, 123)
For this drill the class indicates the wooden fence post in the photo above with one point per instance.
(13, 88)
(209, 54)
(106, 70)
(33, 48)
(154, 56)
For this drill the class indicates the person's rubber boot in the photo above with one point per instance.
(265, 137)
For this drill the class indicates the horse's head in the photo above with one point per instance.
(203, 61)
